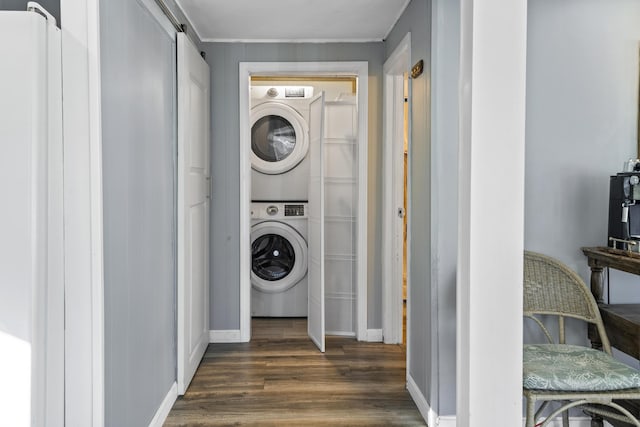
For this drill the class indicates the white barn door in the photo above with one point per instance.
(316, 315)
(194, 198)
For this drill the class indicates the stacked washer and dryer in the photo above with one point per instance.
(279, 186)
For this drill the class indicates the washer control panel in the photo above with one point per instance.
(278, 210)
(294, 210)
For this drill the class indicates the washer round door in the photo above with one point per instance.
(278, 256)
(279, 138)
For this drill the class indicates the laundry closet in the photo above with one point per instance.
(304, 185)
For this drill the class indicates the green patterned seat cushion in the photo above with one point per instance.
(569, 367)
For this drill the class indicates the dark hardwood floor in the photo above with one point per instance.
(281, 379)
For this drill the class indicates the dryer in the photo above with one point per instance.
(280, 142)
(279, 259)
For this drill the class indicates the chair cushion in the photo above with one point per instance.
(574, 368)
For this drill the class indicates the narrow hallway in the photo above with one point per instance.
(280, 379)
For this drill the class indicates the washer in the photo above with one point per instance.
(280, 142)
(279, 259)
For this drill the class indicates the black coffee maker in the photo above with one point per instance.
(624, 209)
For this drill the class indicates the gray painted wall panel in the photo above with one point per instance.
(444, 197)
(224, 59)
(417, 20)
(138, 122)
(582, 106)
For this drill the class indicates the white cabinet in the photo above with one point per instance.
(31, 243)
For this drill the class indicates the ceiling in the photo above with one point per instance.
(292, 20)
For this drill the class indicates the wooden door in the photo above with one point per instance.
(194, 198)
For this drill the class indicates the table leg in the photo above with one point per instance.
(597, 283)
(597, 286)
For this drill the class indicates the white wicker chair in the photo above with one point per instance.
(576, 376)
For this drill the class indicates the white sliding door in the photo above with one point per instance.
(316, 274)
(194, 198)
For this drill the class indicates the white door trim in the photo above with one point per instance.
(492, 90)
(393, 166)
(357, 68)
(245, 202)
(84, 290)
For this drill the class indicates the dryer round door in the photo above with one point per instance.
(278, 256)
(279, 138)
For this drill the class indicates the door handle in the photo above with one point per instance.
(401, 212)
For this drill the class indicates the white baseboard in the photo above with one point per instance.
(163, 411)
(446, 421)
(575, 422)
(374, 335)
(340, 333)
(433, 420)
(421, 402)
(450, 421)
(225, 335)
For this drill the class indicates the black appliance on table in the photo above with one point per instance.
(624, 209)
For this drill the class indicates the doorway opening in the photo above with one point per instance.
(282, 202)
(254, 193)
(396, 303)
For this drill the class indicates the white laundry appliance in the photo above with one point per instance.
(280, 142)
(279, 259)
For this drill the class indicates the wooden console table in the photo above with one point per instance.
(621, 321)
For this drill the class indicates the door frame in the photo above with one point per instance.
(83, 250)
(393, 178)
(360, 69)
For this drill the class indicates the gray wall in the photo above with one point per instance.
(582, 86)
(582, 106)
(444, 163)
(138, 123)
(224, 60)
(52, 6)
(421, 340)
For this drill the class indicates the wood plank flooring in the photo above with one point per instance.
(281, 379)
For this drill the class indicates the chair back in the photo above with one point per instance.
(552, 288)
